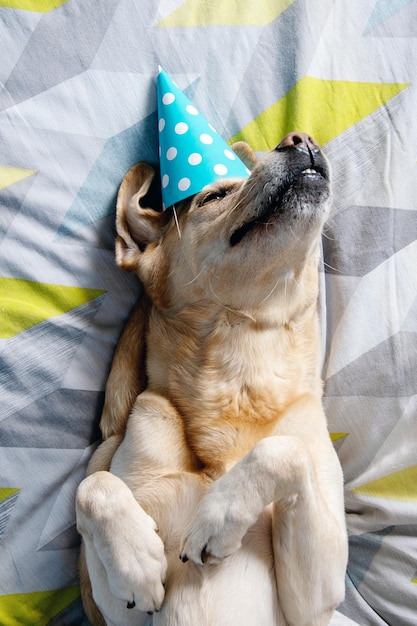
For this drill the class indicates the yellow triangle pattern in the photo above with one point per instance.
(24, 303)
(401, 485)
(225, 13)
(38, 607)
(337, 436)
(6, 492)
(11, 175)
(322, 108)
(38, 6)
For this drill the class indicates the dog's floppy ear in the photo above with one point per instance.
(245, 154)
(139, 217)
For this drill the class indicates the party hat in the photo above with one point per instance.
(192, 154)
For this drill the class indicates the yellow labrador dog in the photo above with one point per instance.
(223, 502)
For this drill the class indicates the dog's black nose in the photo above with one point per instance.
(301, 141)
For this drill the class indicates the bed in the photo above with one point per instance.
(77, 109)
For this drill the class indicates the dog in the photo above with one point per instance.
(216, 497)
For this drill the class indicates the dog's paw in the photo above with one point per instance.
(125, 555)
(217, 529)
(135, 562)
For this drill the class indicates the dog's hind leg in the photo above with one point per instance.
(100, 461)
(127, 376)
(309, 540)
(90, 607)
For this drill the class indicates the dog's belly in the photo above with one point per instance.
(239, 590)
(166, 483)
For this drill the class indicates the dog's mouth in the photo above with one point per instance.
(273, 202)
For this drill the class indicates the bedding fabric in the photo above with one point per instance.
(77, 109)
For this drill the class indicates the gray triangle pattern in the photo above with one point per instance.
(360, 238)
(50, 422)
(12, 200)
(370, 372)
(69, 539)
(292, 33)
(6, 508)
(34, 362)
(70, 25)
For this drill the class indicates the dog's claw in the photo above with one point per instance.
(184, 558)
(204, 555)
(131, 604)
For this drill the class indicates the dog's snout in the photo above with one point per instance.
(299, 140)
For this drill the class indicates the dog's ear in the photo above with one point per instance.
(139, 216)
(245, 154)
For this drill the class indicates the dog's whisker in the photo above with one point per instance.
(271, 292)
(242, 200)
(176, 220)
(227, 308)
(327, 236)
(296, 237)
(330, 267)
(285, 288)
(190, 267)
(214, 293)
(196, 277)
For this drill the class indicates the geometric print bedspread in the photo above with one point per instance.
(77, 109)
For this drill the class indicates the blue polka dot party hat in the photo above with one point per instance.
(192, 154)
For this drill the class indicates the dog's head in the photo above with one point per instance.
(240, 242)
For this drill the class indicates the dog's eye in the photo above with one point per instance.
(214, 195)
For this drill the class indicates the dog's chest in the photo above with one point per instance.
(232, 385)
(225, 418)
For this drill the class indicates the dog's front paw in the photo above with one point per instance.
(125, 555)
(217, 529)
(136, 566)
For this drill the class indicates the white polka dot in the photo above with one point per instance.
(230, 155)
(184, 184)
(171, 153)
(181, 128)
(165, 180)
(191, 109)
(205, 138)
(220, 169)
(195, 158)
(168, 98)
(161, 124)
